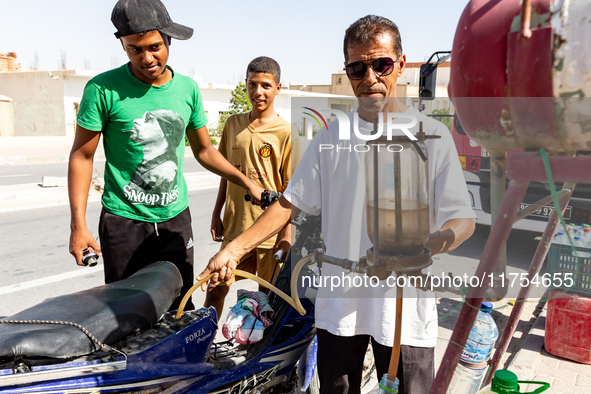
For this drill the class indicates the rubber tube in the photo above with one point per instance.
(294, 300)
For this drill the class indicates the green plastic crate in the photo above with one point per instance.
(562, 260)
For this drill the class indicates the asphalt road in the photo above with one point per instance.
(35, 263)
(31, 173)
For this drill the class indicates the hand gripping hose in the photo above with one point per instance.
(294, 300)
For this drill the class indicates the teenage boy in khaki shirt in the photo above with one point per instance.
(258, 144)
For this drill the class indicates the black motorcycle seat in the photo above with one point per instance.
(109, 312)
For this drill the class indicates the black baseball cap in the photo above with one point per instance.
(139, 16)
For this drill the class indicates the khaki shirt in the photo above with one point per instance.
(263, 154)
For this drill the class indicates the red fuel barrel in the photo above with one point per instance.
(524, 93)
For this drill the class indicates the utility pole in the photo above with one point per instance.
(63, 59)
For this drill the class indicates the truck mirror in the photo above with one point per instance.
(428, 75)
(458, 125)
(427, 81)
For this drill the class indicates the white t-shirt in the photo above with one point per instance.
(332, 182)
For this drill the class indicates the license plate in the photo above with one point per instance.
(546, 211)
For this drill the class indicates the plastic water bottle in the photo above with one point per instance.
(570, 231)
(578, 243)
(467, 380)
(560, 238)
(473, 364)
(586, 235)
(387, 386)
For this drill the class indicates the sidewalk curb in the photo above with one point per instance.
(33, 195)
(35, 149)
(12, 160)
(56, 158)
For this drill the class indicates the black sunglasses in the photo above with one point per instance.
(382, 67)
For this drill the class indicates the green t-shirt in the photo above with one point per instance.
(143, 130)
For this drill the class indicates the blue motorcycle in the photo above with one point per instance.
(120, 339)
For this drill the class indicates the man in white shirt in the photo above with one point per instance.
(331, 182)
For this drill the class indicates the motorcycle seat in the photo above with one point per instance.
(108, 312)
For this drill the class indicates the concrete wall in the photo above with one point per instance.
(216, 99)
(46, 103)
(324, 89)
(340, 84)
(283, 104)
(6, 124)
(74, 83)
(38, 104)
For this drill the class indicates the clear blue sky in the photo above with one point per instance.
(305, 37)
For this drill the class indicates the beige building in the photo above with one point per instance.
(45, 103)
(8, 62)
(339, 85)
(407, 86)
(407, 89)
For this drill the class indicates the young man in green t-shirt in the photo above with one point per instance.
(143, 110)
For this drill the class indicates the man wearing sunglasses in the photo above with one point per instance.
(332, 183)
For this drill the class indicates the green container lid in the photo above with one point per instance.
(505, 382)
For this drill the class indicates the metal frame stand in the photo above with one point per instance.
(521, 169)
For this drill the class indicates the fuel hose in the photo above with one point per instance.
(294, 300)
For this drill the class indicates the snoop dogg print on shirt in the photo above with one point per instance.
(155, 179)
(143, 129)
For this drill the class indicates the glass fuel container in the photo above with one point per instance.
(397, 195)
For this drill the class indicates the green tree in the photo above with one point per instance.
(446, 120)
(239, 104)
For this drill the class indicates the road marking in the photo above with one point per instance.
(196, 181)
(50, 279)
(15, 176)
